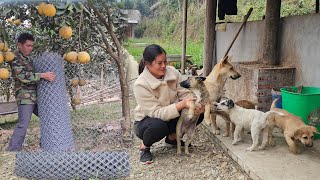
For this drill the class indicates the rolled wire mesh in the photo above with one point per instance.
(55, 119)
(72, 165)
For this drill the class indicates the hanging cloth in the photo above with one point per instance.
(227, 7)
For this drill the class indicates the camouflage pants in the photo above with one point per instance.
(24, 112)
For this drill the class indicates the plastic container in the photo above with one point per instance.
(276, 93)
(301, 104)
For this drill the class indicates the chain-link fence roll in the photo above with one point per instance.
(72, 165)
(55, 119)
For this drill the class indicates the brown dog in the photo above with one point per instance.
(294, 129)
(188, 120)
(215, 82)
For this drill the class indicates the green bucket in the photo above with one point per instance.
(301, 104)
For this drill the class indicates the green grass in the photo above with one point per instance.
(195, 49)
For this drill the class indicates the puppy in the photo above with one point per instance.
(242, 103)
(188, 120)
(248, 119)
(294, 129)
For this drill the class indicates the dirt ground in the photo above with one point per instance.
(91, 127)
(207, 161)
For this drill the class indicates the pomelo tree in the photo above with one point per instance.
(96, 27)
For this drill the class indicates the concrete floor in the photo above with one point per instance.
(273, 163)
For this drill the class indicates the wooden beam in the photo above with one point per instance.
(184, 35)
(210, 37)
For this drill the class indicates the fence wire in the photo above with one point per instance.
(91, 128)
(55, 119)
(72, 165)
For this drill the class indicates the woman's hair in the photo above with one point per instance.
(149, 55)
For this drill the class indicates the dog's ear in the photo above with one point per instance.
(199, 78)
(314, 129)
(225, 60)
(230, 103)
(298, 133)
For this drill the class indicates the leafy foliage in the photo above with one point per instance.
(45, 29)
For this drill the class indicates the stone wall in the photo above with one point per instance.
(257, 82)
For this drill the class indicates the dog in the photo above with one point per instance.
(214, 83)
(242, 103)
(294, 129)
(188, 120)
(247, 119)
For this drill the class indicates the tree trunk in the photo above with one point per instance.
(210, 37)
(101, 83)
(126, 124)
(271, 31)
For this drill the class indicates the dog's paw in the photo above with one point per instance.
(295, 150)
(250, 149)
(261, 147)
(216, 131)
(272, 144)
(234, 142)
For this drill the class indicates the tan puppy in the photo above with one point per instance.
(188, 120)
(294, 129)
(215, 82)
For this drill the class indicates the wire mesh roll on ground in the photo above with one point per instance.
(56, 130)
(72, 165)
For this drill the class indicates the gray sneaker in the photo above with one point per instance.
(145, 156)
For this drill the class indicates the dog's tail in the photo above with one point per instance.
(273, 105)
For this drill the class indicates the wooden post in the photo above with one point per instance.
(210, 37)
(101, 83)
(184, 35)
(317, 6)
(270, 41)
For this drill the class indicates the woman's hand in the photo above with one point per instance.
(200, 108)
(184, 103)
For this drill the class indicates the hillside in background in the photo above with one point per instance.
(164, 22)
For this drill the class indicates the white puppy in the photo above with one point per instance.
(247, 119)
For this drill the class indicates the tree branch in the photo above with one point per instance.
(108, 24)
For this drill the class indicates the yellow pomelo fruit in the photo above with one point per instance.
(82, 82)
(65, 32)
(9, 56)
(49, 10)
(17, 22)
(40, 8)
(83, 57)
(4, 73)
(76, 100)
(1, 58)
(74, 81)
(4, 46)
(72, 57)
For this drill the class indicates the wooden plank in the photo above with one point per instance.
(8, 107)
